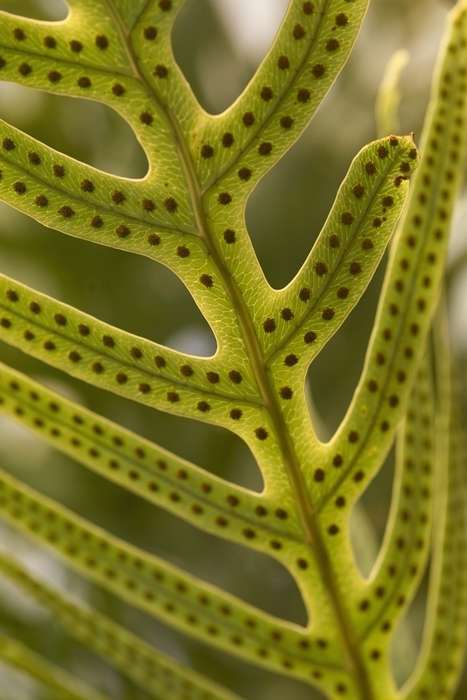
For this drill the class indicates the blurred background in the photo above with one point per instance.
(219, 44)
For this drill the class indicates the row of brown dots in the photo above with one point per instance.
(100, 40)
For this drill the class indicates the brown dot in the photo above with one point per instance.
(388, 201)
(321, 268)
(101, 42)
(146, 118)
(49, 345)
(76, 46)
(393, 400)
(236, 414)
(370, 168)
(235, 377)
(248, 119)
(159, 361)
(355, 268)
(24, 69)
(227, 140)
(108, 341)
(318, 70)
(8, 145)
(265, 148)
(97, 368)
(333, 529)
(11, 295)
(269, 325)
(401, 376)
(34, 158)
(229, 236)
(207, 151)
(286, 392)
(161, 71)
(165, 5)
(150, 33)
(41, 200)
(377, 222)
(283, 63)
(96, 222)
(328, 314)
(121, 378)
(334, 241)
(310, 337)
(308, 7)
(358, 476)
(5, 323)
(332, 45)
(287, 314)
(173, 397)
(203, 406)
(84, 82)
(266, 94)
(183, 251)
(186, 371)
(340, 501)
(248, 533)
(353, 436)
(303, 95)
(347, 218)
(302, 563)
(28, 335)
(298, 32)
(224, 198)
(244, 174)
(212, 377)
(342, 293)
(148, 205)
(290, 360)
(261, 511)
(342, 20)
(122, 231)
(19, 187)
(319, 475)
(83, 330)
(387, 334)
(144, 388)
(337, 461)
(207, 281)
(154, 239)
(367, 244)
(280, 513)
(54, 76)
(118, 89)
(286, 122)
(50, 42)
(372, 385)
(34, 307)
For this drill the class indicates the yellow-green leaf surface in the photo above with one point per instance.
(188, 213)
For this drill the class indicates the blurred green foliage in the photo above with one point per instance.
(284, 216)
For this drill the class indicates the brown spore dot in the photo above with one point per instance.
(387, 334)
(235, 377)
(203, 406)
(28, 335)
(286, 122)
(101, 42)
(358, 476)
(358, 191)
(98, 368)
(173, 397)
(265, 148)
(319, 70)
(146, 118)
(327, 314)
(355, 268)
(19, 187)
(154, 239)
(5, 323)
(321, 268)
(383, 152)
(224, 198)
(87, 186)
(60, 319)
(337, 461)
(161, 71)
(393, 400)
(287, 314)
(150, 33)
(388, 201)
(159, 361)
(19, 34)
(165, 5)
(207, 281)
(269, 325)
(340, 501)
(121, 378)
(319, 475)
(367, 244)
(229, 236)
(8, 144)
(302, 563)
(342, 293)
(236, 414)
(212, 377)
(84, 82)
(118, 89)
(117, 197)
(148, 205)
(298, 32)
(377, 222)
(183, 251)
(74, 356)
(96, 222)
(353, 436)
(207, 151)
(266, 93)
(108, 341)
(248, 533)
(227, 139)
(49, 345)
(244, 174)
(308, 7)
(24, 69)
(303, 95)
(333, 529)
(83, 330)
(261, 511)
(286, 392)
(136, 353)
(34, 158)
(41, 200)
(50, 42)
(332, 45)
(290, 360)
(248, 119)
(310, 337)
(34, 307)
(372, 385)
(11, 295)
(370, 168)
(334, 241)
(122, 231)
(144, 388)
(186, 371)
(341, 19)
(347, 218)
(283, 62)
(401, 376)
(76, 46)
